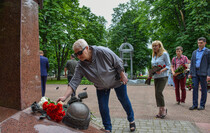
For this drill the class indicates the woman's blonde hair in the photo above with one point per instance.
(161, 49)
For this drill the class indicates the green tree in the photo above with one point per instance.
(177, 23)
(124, 29)
(61, 24)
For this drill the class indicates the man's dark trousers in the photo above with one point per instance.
(43, 83)
(203, 83)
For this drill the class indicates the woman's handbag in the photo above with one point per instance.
(180, 76)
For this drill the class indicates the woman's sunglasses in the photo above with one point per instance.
(80, 52)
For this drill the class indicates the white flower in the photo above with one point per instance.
(43, 99)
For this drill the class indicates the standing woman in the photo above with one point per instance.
(160, 57)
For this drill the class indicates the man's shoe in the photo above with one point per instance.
(193, 107)
(201, 108)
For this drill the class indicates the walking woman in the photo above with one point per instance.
(160, 57)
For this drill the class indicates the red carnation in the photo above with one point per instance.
(55, 112)
(164, 65)
(59, 106)
(51, 106)
(45, 105)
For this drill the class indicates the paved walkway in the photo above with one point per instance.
(179, 119)
(151, 126)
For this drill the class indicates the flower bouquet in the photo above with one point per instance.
(189, 83)
(49, 109)
(181, 71)
(181, 68)
(54, 111)
(152, 72)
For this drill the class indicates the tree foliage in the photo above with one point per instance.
(124, 30)
(138, 22)
(61, 24)
(177, 23)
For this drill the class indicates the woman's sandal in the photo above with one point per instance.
(163, 116)
(132, 126)
(158, 116)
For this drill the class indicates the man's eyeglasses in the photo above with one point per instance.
(80, 52)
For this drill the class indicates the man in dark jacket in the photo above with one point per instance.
(44, 66)
(200, 73)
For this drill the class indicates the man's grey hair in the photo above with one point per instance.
(81, 43)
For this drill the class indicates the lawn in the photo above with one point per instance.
(64, 81)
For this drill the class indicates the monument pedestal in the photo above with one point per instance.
(26, 122)
(20, 80)
(20, 83)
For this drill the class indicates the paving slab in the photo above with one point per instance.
(144, 105)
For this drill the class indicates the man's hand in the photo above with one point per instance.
(69, 91)
(189, 76)
(61, 99)
(123, 78)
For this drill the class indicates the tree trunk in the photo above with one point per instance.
(59, 73)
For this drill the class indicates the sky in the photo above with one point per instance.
(102, 7)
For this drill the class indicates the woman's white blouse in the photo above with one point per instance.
(162, 60)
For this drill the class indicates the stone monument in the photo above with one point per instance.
(126, 54)
(19, 54)
(20, 83)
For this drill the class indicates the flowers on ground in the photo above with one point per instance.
(43, 99)
(189, 83)
(53, 110)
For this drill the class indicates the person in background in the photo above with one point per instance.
(44, 66)
(188, 68)
(187, 72)
(200, 72)
(176, 62)
(160, 57)
(105, 69)
(170, 79)
(70, 66)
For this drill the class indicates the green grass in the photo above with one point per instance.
(64, 81)
(54, 81)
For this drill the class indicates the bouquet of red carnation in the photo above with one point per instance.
(181, 71)
(152, 72)
(54, 111)
(189, 83)
(181, 68)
